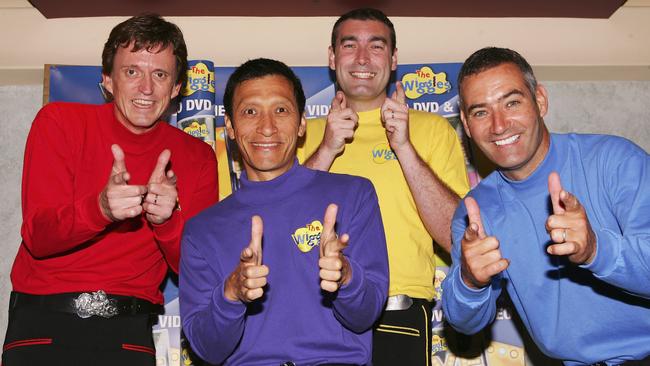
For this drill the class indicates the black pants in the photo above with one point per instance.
(36, 336)
(403, 337)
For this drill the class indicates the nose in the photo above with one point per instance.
(500, 123)
(266, 125)
(146, 85)
(362, 56)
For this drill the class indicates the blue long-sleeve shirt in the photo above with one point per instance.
(580, 314)
(295, 320)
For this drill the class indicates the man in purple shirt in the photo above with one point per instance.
(292, 268)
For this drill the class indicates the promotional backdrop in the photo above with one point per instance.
(200, 112)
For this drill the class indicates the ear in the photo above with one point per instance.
(229, 130)
(393, 61)
(541, 98)
(107, 81)
(176, 90)
(331, 57)
(465, 126)
(302, 127)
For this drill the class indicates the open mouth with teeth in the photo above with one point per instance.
(507, 141)
(265, 145)
(363, 75)
(143, 103)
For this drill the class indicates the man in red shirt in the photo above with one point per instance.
(103, 188)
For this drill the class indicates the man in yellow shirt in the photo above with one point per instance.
(413, 158)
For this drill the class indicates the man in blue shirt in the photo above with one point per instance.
(563, 224)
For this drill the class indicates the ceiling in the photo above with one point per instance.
(297, 8)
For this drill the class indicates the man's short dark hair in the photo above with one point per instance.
(259, 68)
(146, 31)
(365, 14)
(489, 57)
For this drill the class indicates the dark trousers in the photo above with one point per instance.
(403, 337)
(37, 336)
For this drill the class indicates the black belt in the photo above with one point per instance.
(86, 304)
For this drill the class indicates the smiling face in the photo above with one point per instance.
(266, 125)
(142, 84)
(504, 120)
(363, 62)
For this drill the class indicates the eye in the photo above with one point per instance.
(160, 75)
(131, 72)
(250, 111)
(479, 114)
(512, 103)
(348, 45)
(378, 46)
(281, 110)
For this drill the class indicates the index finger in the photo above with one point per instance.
(399, 95)
(474, 215)
(554, 189)
(257, 231)
(158, 173)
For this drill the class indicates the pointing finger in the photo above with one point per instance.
(555, 188)
(569, 201)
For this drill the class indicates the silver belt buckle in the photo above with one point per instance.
(398, 302)
(95, 303)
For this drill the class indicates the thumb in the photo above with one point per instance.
(399, 95)
(119, 175)
(338, 101)
(255, 245)
(554, 189)
(158, 173)
(474, 215)
(329, 220)
(119, 166)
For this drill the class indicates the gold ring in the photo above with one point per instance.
(564, 235)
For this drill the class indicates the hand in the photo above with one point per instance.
(569, 225)
(162, 197)
(341, 123)
(334, 267)
(247, 281)
(119, 200)
(395, 116)
(480, 255)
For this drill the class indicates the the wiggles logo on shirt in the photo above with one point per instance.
(382, 153)
(199, 78)
(425, 81)
(308, 236)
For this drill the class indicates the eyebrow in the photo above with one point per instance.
(505, 96)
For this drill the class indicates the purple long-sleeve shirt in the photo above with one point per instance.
(295, 320)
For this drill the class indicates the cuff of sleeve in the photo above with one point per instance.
(95, 216)
(169, 229)
(226, 308)
(607, 252)
(356, 281)
(470, 295)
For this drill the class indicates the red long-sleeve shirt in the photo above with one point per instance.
(68, 245)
